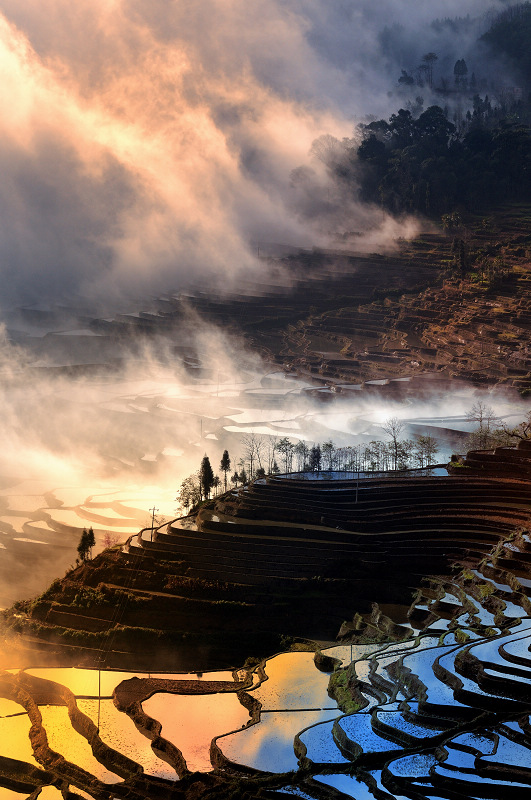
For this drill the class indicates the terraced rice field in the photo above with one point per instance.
(443, 714)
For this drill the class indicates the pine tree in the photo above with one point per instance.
(206, 476)
(83, 546)
(91, 541)
(225, 465)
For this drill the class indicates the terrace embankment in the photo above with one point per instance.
(446, 714)
(282, 557)
(449, 305)
(507, 462)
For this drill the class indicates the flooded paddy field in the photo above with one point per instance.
(129, 440)
(119, 445)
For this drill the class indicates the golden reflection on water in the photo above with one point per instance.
(9, 707)
(294, 683)
(7, 794)
(47, 793)
(88, 683)
(84, 682)
(14, 738)
(119, 732)
(65, 740)
(190, 722)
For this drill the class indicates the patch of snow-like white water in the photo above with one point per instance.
(29, 541)
(488, 649)
(518, 648)
(350, 652)
(266, 430)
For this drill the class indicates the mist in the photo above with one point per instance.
(146, 146)
(145, 141)
(103, 445)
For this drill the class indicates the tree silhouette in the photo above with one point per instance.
(286, 449)
(206, 477)
(190, 492)
(315, 458)
(225, 465)
(460, 73)
(428, 61)
(83, 547)
(91, 541)
(393, 427)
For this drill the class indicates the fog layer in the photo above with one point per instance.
(142, 141)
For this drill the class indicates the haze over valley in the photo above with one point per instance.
(295, 234)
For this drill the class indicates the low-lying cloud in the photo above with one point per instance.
(145, 142)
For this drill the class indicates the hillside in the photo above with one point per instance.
(280, 558)
(453, 304)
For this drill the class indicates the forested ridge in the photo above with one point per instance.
(422, 165)
(468, 152)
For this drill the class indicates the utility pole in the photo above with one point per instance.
(99, 694)
(153, 510)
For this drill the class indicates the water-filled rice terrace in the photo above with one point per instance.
(444, 713)
(432, 704)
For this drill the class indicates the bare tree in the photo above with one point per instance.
(271, 444)
(521, 431)
(328, 450)
(393, 427)
(425, 449)
(253, 448)
(189, 492)
(286, 449)
(302, 451)
(482, 437)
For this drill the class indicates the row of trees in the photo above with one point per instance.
(262, 456)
